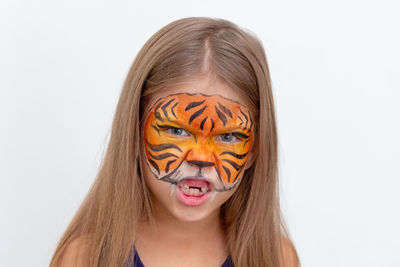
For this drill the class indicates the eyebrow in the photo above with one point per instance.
(166, 124)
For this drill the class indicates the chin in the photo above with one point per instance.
(191, 214)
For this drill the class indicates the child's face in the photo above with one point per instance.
(197, 141)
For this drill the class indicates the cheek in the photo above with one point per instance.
(148, 175)
(232, 160)
(224, 196)
(157, 187)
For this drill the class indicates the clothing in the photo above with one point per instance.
(138, 263)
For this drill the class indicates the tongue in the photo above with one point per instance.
(195, 183)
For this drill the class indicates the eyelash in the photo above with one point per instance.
(238, 136)
(169, 130)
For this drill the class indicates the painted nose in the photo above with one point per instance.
(200, 158)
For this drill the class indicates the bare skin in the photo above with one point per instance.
(177, 243)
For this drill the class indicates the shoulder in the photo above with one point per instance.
(288, 253)
(76, 253)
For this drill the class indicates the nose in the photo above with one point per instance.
(200, 157)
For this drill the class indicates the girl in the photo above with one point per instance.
(190, 173)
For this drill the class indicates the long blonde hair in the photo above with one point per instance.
(119, 197)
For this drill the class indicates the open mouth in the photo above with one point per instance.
(193, 192)
(194, 187)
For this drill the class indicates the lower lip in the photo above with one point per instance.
(192, 200)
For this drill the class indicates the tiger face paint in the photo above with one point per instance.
(206, 137)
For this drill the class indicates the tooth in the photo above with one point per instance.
(186, 186)
(194, 191)
(204, 189)
(185, 189)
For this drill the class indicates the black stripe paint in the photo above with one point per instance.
(154, 165)
(221, 116)
(234, 164)
(165, 106)
(172, 109)
(240, 134)
(212, 125)
(158, 131)
(251, 122)
(163, 156)
(193, 104)
(163, 126)
(245, 116)
(202, 123)
(225, 110)
(228, 172)
(233, 154)
(245, 142)
(237, 176)
(166, 115)
(158, 105)
(196, 114)
(158, 116)
(168, 164)
(241, 121)
(201, 163)
(162, 147)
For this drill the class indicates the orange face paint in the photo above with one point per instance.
(198, 136)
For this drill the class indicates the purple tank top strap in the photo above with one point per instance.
(137, 262)
(228, 262)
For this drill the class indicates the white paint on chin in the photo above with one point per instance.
(213, 194)
(173, 190)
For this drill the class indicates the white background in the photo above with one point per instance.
(335, 73)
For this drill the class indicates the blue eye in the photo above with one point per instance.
(177, 131)
(228, 138)
(173, 130)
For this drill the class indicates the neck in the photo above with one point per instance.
(198, 239)
(166, 223)
(170, 228)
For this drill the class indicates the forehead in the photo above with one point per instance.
(207, 85)
(207, 113)
(190, 101)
